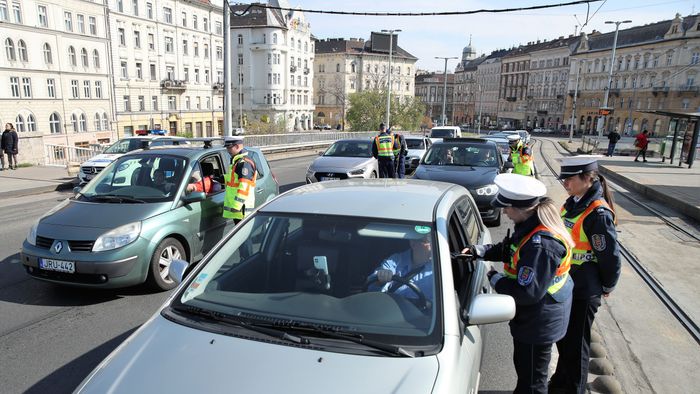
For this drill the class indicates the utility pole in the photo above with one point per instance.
(573, 106)
(481, 103)
(631, 103)
(601, 121)
(228, 113)
(388, 85)
(444, 89)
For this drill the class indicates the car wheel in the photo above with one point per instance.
(372, 175)
(159, 269)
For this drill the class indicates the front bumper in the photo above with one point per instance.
(117, 268)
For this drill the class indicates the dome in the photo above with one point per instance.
(469, 52)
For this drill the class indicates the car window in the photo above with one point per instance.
(349, 149)
(322, 270)
(125, 146)
(210, 177)
(415, 144)
(467, 216)
(442, 133)
(462, 155)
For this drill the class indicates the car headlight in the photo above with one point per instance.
(120, 236)
(31, 237)
(488, 190)
(359, 171)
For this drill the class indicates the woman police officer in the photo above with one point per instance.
(536, 264)
(589, 216)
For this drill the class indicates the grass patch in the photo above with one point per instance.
(24, 165)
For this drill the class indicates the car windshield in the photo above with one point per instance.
(136, 179)
(350, 149)
(413, 143)
(503, 146)
(126, 145)
(322, 270)
(442, 133)
(478, 155)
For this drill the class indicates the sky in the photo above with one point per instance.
(427, 37)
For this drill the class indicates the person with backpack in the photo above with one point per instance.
(613, 137)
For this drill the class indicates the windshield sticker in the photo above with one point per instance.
(422, 229)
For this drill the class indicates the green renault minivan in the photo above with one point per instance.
(136, 216)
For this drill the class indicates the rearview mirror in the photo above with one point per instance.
(491, 308)
(193, 197)
(177, 270)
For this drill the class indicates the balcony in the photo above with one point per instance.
(660, 89)
(173, 84)
(218, 86)
(688, 89)
(306, 70)
(292, 68)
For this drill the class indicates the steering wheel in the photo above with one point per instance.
(423, 302)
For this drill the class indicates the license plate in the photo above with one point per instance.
(57, 265)
(329, 178)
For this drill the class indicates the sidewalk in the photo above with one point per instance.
(26, 181)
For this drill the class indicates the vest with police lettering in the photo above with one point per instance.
(240, 192)
(385, 146)
(582, 252)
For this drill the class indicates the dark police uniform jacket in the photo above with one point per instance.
(539, 317)
(595, 278)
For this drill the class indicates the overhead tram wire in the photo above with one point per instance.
(440, 13)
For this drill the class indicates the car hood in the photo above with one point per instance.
(166, 357)
(331, 163)
(102, 159)
(103, 215)
(416, 153)
(469, 177)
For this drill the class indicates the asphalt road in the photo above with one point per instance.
(51, 337)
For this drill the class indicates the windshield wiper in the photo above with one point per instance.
(117, 198)
(334, 332)
(230, 320)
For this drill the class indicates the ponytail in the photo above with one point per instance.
(548, 213)
(607, 193)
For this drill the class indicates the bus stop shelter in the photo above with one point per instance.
(690, 141)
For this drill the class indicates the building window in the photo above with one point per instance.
(27, 87)
(92, 25)
(168, 15)
(105, 122)
(137, 39)
(168, 44)
(98, 89)
(74, 89)
(142, 103)
(152, 67)
(80, 22)
(96, 58)
(205, 24)
(154, 103)
(122, 36)
(98, 123)
(17, 12)
(195, 23)
(199, 104)
(206, 51)
(220, 30)
(71, 56)
(120, 5)
(14, 86)
(151, 41)
(149, 10)
(31, 123)
(22, 51)
(170, 72)
(187, 73)
(695, 59)
(240, 57)
(43, 17)
(124, 71)
(185, 46)
(206, 76)
(87, 89)
(274, 38)
(172, 103)
(139, 71)
(68, 17)
(55, 123)
(220, 53)
(187, 103)
(669, 59)
(19, 123)
(51, 87)
(196, 49)
(184, 19)
(84, 57)
(74, 121)
(10, 49)
(135, 7)
(83, 122)
(196, 75)
(3, 11)
(208, 102)
(240, 39)
(127, 103)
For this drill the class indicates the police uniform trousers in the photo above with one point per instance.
(531, 365)
(386, 167)
(571, 375)
(401, 167)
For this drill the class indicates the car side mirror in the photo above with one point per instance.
(508, 165)
(490, 308)
(415, 162)
(177, 270)
(193, 197)
(77, 189)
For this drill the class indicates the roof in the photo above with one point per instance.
(355, 47)
(256, 16)
(439, 78)
(652, 32)
(682, 115)
(420, 198)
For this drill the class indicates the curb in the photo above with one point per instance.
(679, 205)
(59, 187)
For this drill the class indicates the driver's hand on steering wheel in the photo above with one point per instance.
(384, 275)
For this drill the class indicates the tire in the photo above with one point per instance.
(158, 269)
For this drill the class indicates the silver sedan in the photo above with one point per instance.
(349, 158)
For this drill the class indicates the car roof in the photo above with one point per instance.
(395, 199)
(414, 137)
(185, 151)
(464, 141)
(153, 137)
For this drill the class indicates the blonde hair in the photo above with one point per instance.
(548, 213)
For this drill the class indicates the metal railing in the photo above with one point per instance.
(63, 155)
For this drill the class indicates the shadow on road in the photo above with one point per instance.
(66, 378)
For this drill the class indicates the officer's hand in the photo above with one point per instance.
(384, 275)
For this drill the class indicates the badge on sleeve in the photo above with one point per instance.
(525, 276)
(598, 242)
(244, 171)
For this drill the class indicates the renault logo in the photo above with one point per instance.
(57, 247)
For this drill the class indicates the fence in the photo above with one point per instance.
(63, 155)
(625, 146)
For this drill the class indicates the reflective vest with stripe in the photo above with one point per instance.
(240, 192)
(583, 251)
(385, 146)
(522, 164)
(511, 269)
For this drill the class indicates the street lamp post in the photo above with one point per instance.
(601, 121)
(388, 85)
(228, 112)
(573, 105)
(444, 89)
(481, 106)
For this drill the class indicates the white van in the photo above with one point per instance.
(446, 132)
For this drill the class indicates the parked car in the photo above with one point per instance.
(291, 292)
(417, 146)
(127, 225)
(469, 162)
(445, 132)
(95, 164)
(322, 127)
(524, 136)
(348, 158)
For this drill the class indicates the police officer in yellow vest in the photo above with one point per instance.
(589, 215)
(240, 180)
(536, 274)
(385, 149)
(521, 156)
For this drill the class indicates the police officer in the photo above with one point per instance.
(536, 274)
(521, 156)
(400, 160)
(384, 149)
(240, 180)
(589, 215)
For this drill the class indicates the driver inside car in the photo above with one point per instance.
(414, 265)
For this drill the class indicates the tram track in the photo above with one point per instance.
(654, 285)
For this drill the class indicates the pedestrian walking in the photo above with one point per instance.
(9, 143)
(384, 149)
(589, 215)
(536, 274)
(240, 181)
(613, 137)
(641, 142)
(400, 160)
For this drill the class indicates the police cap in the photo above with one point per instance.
(231, 141)
(513, 138)
(518, 191)
(575, 165)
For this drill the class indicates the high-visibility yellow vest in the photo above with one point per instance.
(522, 164)
(583, 251)
(240, 192)
(385, 146)
(511, 269)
